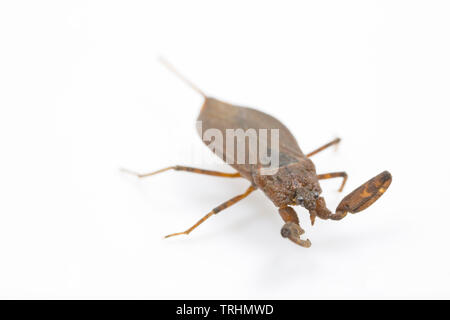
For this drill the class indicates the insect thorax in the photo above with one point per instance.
(283, 186)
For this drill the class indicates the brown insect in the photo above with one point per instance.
(296, 181)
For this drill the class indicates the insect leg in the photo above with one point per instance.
(329, 144)
(188, 169)
(358, 200)
(292, 229)
(334, 175)
(364, 196)
(216, 210)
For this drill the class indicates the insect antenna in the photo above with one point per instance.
(185, 80)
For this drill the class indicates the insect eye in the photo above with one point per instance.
(300, 200)
(316, 194)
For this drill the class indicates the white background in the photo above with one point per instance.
(82, 94)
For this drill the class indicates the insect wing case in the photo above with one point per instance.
(218, 115)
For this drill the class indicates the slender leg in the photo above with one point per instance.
(334, 175)
(216, 210)
(329, 144)
(188, 169)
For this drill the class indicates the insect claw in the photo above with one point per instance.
(303, 243)
(293, 231)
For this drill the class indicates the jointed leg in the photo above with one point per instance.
(188, 169)
(359, 199)
(292, 229)
(335, 141)
(334, 175)
(216, 210)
